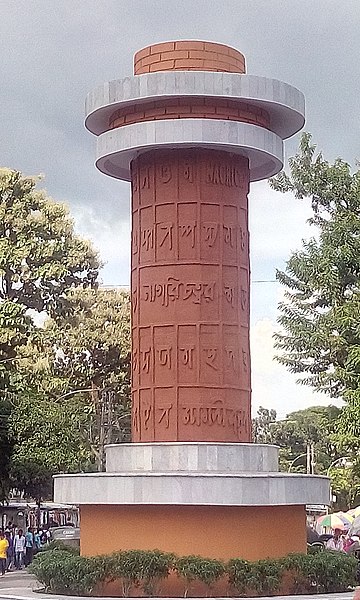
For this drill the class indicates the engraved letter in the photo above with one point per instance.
(135, 419)
(135, 242)
(186, 356)
(167, 228)
(144, 178)
(147, 238)
(228, 235)
(165, 173)
(229, 294)
(146, 358)
(243, 298)
(189, 232)
(188, 172)
(242, 238)
(164, 356)
(147, 415)
(211, 231)
(210, 357)
(165, 415)
(230, 357)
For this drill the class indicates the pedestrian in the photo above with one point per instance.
(37, 540)
(3, 553)
(29, 546)
(19, 549)
(10, 550)
(336, 542)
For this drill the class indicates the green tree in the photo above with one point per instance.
(6, 446)
(312, 427)
(41, 258)
(262, 425)
(320, 333)
(320, 328)
(83, 358)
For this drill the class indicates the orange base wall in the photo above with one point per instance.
(221, 532)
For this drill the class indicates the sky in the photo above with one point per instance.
(53, 52)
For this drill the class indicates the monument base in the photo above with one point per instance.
(221, 532)
(215, 500)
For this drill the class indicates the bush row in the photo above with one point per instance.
(141, 572)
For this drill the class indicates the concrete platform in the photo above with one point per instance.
(193, 474)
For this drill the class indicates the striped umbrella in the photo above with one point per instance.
(354, 512)
(334, 521)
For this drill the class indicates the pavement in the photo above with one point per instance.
(20, 585)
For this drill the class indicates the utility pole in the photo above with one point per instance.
(308, 459)
(313, 460)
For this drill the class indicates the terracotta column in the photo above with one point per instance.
(190, 270)
(190, 141)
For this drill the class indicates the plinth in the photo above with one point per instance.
(190, 131)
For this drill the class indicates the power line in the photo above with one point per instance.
(127, 285)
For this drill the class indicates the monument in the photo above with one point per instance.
(190, 131)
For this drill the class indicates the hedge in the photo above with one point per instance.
(63, 572)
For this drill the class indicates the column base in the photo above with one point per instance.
(216, 500)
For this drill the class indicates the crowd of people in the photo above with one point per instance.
(17, 548)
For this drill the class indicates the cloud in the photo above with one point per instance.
(272, 385)
(53, 53)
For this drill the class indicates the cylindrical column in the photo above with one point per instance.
(190, 130)
(190, 294)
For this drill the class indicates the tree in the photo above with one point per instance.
(47, 439)
(6, 447)
(83, 358)
(309, 441)
(313, 427)
(320, 333)
(40, 256)
(319, 319)
(262, 425)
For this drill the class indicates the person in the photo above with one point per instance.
(336, 542)
(37, 541)
(69, 523)
(44, 538)
(10, 550)
(29, 546)
(351, 544)
(3, 553)
(19, 549)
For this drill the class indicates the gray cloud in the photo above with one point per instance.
(53, 53)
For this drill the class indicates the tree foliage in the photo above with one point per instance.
(41, 259)
(40, 256)
(262, 425)
(320, 330)
(313, 427)
(320, 327)
(80, 363)
(309, 440)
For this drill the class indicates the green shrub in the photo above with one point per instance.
(62, 572)
(322, 572)
(241, 575)
(332, 572)
(262, 576)
(59, 545)
(205, 570)
(141, 568)
(297, 565)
